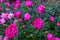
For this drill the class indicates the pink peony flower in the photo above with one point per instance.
(10, 16)
(38, 23)
(52, 18)
(27, 16)
(49, 36)
(11, 31)
(17, 14)
(17, 4)
(29, 3)
(2, 1)
(40, 9)
(4, 15)
(2, 21)
(7, 4)
(58, 24)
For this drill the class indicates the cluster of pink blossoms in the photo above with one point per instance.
(51, 37)
(12, 30)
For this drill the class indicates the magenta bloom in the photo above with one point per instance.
(27, 16)
(4, 15)
(38, 23)
(11, 31)
(0, 8)
(17, 4)
(52, 18)
(58, 24)
(49, 36)
(17, 14)
(28, 3)
(2, 21)
(7, 4)
(1, 0)
(40, 9)
(10, 16)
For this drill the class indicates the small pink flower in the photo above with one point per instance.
(20, 20)
(11, 31)
(15, 21)
(38, 23)
(4, 15)
(58, 24)
(0, 37)
(27, 16)
(49, 36)
(29, 3)
(24, 26)
(7, 4)
(17, 4)
(2, 21)
(0, 8)
(2, 1)
(40, 9)
(52, 18)
(15, 8)
(18, 0)
(6, 38)
(17, 14)
(7, 9)
(10, 16)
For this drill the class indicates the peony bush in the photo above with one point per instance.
(29, 20)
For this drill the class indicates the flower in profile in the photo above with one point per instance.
(4, 15)
(40, 9)
(52, 18)
(38, 23)
(28, 3)
(58, 24)
(27, 16)
(2, 21)
(17, 14)
(10, 16)
(11, 31)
